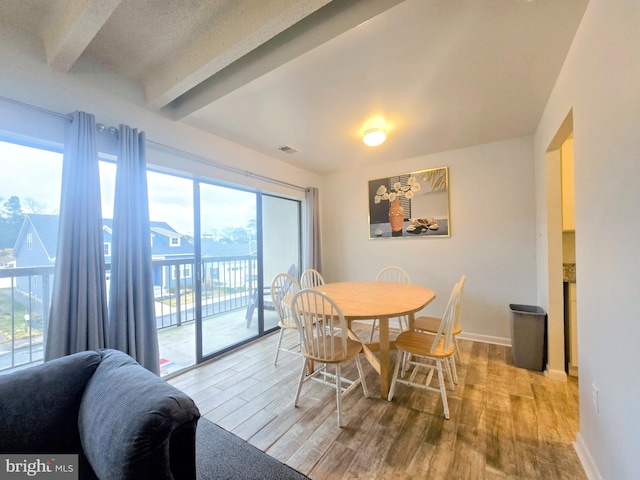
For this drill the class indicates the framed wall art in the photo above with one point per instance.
(410, 205)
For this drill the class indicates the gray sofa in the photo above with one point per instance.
(122, 420)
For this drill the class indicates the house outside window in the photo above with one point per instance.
(107, 249)
(185, 271)
(174, 241)
(29, 241)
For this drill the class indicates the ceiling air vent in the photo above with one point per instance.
(287, 149)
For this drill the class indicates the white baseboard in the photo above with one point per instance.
(476, 337)
(586, 459)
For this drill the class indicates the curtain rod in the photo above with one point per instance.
(34, 107)
(160, 146)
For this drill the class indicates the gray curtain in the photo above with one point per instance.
(132, 319)
(313, 254)
(78, 316)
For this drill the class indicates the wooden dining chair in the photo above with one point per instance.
(420, 350)
(393, 275)
(284, 284)
(311, 278)
(323, 333)
(431, 324)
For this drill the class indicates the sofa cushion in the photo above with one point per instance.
(40, 405)
(127, 418)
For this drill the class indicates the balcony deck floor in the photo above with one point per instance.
(178, 344)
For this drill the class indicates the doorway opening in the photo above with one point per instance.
(561, 264)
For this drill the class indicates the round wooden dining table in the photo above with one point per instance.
(382, 301)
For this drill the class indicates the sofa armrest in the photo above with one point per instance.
(39, 405)
(134, 425)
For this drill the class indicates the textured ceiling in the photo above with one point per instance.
(314, 74)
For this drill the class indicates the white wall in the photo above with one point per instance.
(492, 224)
(601, 82)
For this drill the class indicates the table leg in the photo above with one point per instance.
(385, 362)
(412, 317)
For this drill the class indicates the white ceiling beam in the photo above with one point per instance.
(240, 30)
(71, 27)
(325, 24)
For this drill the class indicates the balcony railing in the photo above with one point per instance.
(228, 283)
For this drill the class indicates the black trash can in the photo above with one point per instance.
(528, 336)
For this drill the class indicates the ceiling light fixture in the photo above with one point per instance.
(374, 136)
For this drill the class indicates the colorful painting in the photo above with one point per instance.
(410, 205)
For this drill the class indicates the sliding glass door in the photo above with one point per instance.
(216, 251)
(227, 248)
(281, 240)
(171, 235)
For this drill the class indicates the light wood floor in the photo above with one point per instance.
(506, 422)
